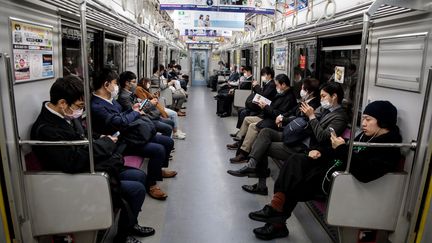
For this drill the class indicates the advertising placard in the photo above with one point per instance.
(239, 6)
(32, 50)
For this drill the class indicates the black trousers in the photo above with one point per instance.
(300, 180)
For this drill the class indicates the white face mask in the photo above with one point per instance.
(148, 85)
(279, 91)
(115, 92)
(326, 104)
(264, 79)
(75, 114)
(303, 94)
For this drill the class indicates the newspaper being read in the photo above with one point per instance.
(259, 97)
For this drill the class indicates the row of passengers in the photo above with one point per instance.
(165, 120)
(225, 96)
(60, 120)
(179, 95)
(301, 175)
(249, 128)
(109, 117)
(282, 102)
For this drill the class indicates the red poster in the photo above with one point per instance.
(302, 63)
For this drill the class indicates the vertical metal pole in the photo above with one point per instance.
(361, 75)
(84, 61)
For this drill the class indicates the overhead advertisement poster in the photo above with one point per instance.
(32, 51)
(289, 6)
(240, 6)
(211, 24)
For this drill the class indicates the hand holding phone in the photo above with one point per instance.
(332, 132)
(143, 104)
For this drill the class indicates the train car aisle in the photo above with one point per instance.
(204, 203)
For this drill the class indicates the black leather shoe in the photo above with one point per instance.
(233, 135)
(225, 115)
(255, 189)
(267, 174)
(142, 231)
(268, 215)
(245, 171)
(270, 232)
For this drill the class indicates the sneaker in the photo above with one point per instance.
(181, 132)
(131, 239)
(179, 136)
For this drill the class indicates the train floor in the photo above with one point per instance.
(205, 204)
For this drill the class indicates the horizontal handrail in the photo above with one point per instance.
(53, 143)
(411, 145)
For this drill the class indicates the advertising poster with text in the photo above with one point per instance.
(32, 51)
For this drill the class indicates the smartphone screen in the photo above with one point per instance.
(332, 131)
(116, 134)
(143, 103)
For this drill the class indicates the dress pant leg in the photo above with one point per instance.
(260, 148)
(156, 154)
(245, 125)
(133, 188)
(168, 145)
(250, 137)
(243, 113)
(163, 128)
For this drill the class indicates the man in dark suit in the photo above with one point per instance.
(59, 120)
(269, 141)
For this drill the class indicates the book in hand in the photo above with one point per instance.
(259, 97)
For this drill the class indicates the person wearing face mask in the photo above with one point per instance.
(304, 176)
(270, 142)
(297, 82)
(143, 92)
(127, 98)
(108, 118)
(267, 90)
(59, 121)
(283, 102)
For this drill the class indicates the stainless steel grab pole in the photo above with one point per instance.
(84, 61)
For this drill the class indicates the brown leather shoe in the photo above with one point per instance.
(169, 173)
(233, 146)
(240, 158)
(156, 193)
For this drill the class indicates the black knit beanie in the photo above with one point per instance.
(384, 111)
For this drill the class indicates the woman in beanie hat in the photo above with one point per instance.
(302, 177)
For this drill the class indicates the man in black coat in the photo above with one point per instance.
(59, 121)
(267, 90)
(282, 102)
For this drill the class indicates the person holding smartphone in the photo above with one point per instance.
(304, 176)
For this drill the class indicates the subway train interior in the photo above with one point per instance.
(215, 121)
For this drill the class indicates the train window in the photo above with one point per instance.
(303, 56)
(71, 49)
(113, 53)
